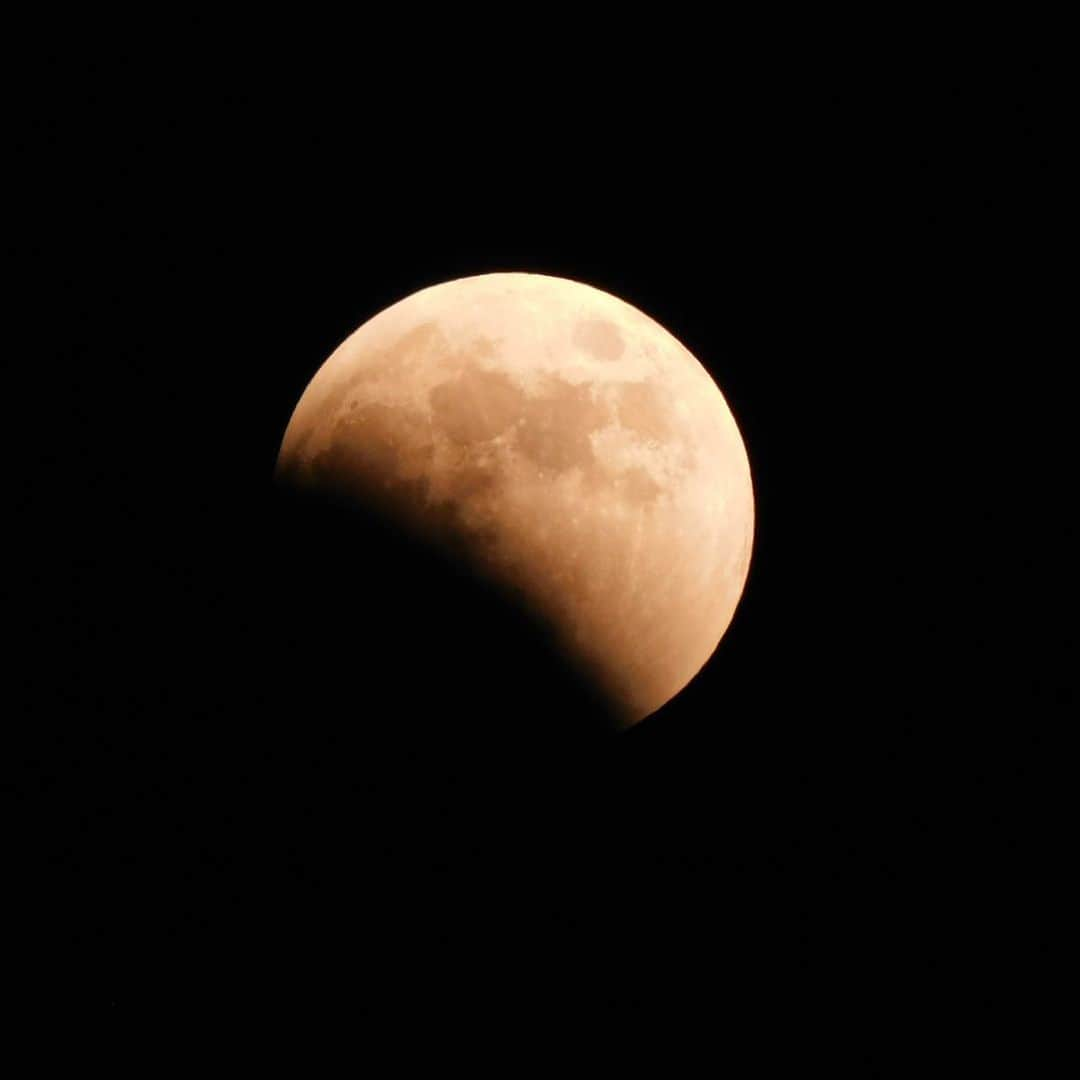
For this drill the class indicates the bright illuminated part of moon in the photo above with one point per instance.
(569, 444)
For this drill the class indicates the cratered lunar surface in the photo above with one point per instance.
(567, 445)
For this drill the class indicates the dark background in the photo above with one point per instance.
(268, 759)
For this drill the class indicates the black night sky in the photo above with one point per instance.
(270, 761)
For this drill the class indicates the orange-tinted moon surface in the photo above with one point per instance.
(572, 448)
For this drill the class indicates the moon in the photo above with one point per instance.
(567, 446)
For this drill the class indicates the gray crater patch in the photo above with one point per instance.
(555, 427)
(375, 449)
(643, 408)
(637, 486)
(599, 338)
(477, 406)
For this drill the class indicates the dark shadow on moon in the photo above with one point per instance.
(397, 642)
(350, 769)
(413, 705)
(423, 751)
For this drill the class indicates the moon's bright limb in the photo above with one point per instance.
(573, 447)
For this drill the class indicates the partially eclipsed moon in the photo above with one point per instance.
(568, 444)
